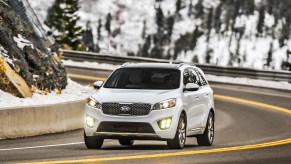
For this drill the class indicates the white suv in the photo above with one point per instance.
(151, 101)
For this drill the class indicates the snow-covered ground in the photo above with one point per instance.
(129, 15)
(73, 92)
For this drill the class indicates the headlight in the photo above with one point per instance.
(93, 103)
(165, 104)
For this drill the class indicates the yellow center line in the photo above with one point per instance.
(216, 150)
(253, 103)
(86, 77)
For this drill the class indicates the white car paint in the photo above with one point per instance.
(196, 105)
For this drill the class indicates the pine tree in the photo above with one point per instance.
(261, 20)
(62, 20)
(157, 52)
(143, 34)
(99, 29)
(270, 56)
(249, 7)
(199, 9)
(286, 65)
(209, 23)
(160, 21)
(160, 18)
(170, 26)
(195, 35)
(190, 9)
(146, 47)
(208, 55)
(108, 23)
(217, 21)
(178, 5)
(88, 37)
(182, 44)
(195, 59)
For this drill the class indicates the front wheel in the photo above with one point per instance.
(180, 137)
(206, 139)
(93, 142)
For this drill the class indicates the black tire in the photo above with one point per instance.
(93, 142)
(206, 139)
(180, 137)
(126, 142)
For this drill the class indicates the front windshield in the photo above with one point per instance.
(144, 78)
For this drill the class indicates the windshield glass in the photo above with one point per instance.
(144, 78)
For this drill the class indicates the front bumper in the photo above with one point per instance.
(150, 119)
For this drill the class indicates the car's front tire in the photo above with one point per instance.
(126, 142)
(93, 142)
(206, 139)
(180, 137)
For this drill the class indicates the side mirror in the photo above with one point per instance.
(191, 87)
(98, 84)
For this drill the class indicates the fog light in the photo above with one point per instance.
(90, 121)
(165, 123)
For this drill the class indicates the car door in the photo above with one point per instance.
(205, 96)
(193, 99)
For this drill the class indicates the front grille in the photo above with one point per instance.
(134, 109)
(125, 127)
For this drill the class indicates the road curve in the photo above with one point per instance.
(239, 124)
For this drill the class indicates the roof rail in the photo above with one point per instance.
(180, 65)
(189, 64)
(125, 64)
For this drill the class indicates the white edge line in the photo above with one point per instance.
(44, 146)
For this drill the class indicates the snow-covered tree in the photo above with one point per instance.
(178, 5)
(99, 30)
(261, 20)
(62, 20)
(108, 23)
(88, 38)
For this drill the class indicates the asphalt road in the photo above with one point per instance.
(239, 125)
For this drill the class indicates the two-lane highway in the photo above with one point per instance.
(253, 131)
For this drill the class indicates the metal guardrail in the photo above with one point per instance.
(208, 69)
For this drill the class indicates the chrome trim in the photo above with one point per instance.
(196, 129)
(126, 134)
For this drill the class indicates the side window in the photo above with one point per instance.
(186, 77)
(202, 79)
(195, 77)
(190, 76)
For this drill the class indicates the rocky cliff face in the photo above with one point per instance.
(27, 51)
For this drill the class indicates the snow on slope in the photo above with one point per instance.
(128, 15)
(73, 92)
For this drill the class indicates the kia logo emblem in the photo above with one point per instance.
(125, 109)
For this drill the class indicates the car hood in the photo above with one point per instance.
(134, 95)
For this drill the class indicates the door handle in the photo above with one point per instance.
(207, 94)
(196, 97)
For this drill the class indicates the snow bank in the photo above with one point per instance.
(73, 92)
(251, 82)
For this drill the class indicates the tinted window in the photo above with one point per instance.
(144, 78)
(190, 76)
(202, 79)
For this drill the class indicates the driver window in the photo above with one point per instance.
(190, 76)
(186, 77)
(195, 77)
